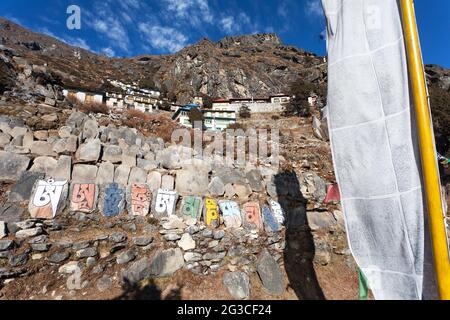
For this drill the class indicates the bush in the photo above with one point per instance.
(301, 91)
(88, 107)
(244, 112)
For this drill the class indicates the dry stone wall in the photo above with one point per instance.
(198, 215)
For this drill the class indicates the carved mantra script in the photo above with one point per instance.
(83, 197)
(49, 192)
(277, 211)
(253, 214)
(165, 202)
(140, 199)
(212, 214)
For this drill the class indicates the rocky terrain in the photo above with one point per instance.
(34, 67)
(99, 255)
(80, 255)
(233, 67)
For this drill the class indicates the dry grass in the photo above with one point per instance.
(88, 107)
(160, 125)
(95, 108)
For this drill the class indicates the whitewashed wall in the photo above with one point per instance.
(254, 107)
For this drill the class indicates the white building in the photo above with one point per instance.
(271, 104)
(115, 101)
(84, 96)
(212, 120)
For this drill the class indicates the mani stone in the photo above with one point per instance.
(112, 200)
(164, 264)
(139, 199)
(112, 154)
(137, 175)
(154, 180)
(122, 174)
(168, 182)
(48, 199)
(90, 151)
(12, 166)
(192, 208)
(84, 173)
(190, 182)
(270, 273)
(42, 148)
(270, 222)
(238, 284)
(21, 190)
(164, 203)
(105, 174)
(83, 197)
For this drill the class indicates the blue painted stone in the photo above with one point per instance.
(113, 200)
(270, 223)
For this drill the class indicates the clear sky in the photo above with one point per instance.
(133, 27)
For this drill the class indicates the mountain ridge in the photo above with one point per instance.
(235, 66)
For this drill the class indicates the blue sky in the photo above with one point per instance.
(133, 27)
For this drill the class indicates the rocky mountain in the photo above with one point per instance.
(243, 66)
(34, 67)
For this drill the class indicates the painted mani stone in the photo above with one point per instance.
(164, 203)
(83, 197)
(48, 198)
(252, 216)
(191, 208)
(112, 202)
(277, 211)
(211, 213)
(139, 199)
(231, 214)
(270, 222)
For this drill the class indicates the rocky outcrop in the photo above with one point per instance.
(244, 66)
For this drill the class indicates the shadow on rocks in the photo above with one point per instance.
(150, 291)
(300, 250)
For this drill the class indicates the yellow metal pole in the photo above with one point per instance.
(427, 150)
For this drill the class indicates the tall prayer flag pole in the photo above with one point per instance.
(427, 150)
